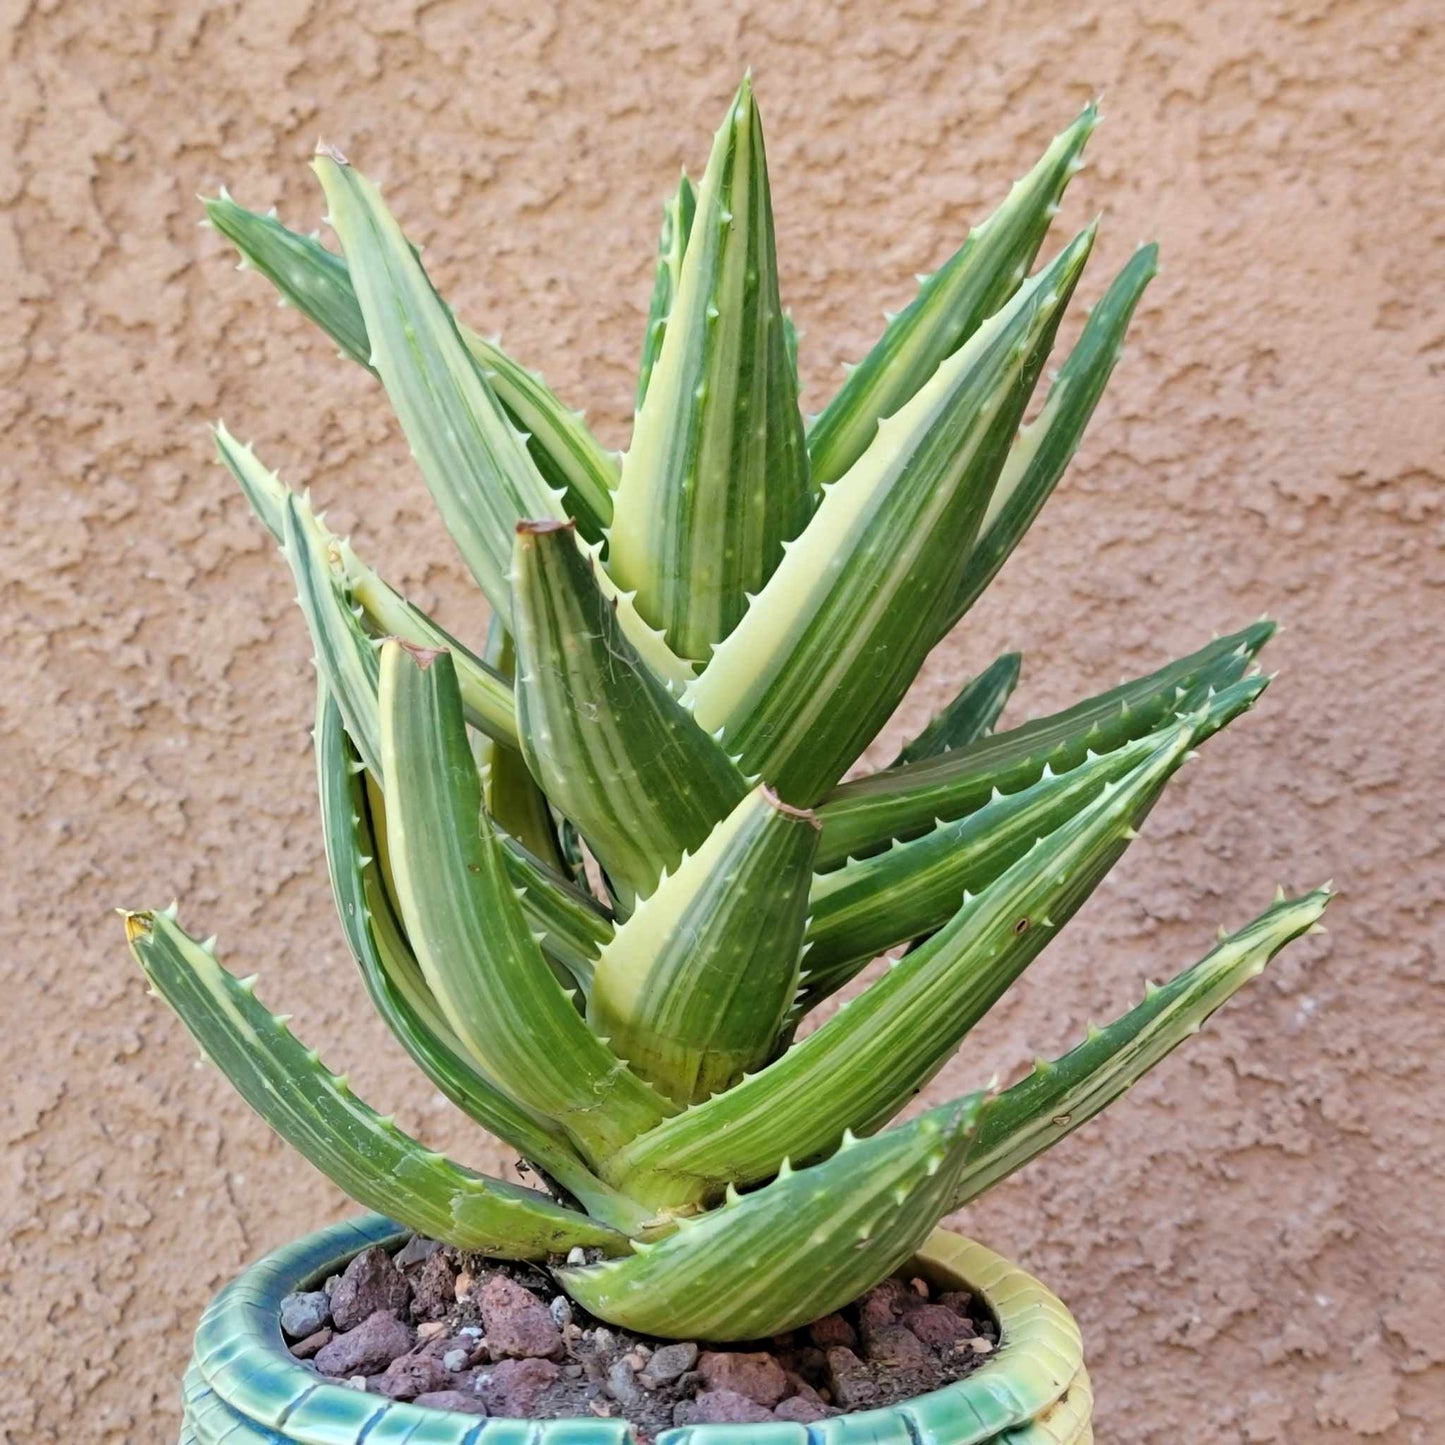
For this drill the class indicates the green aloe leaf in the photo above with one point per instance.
(394, 980)
(263, 488)
(1057, 1097)
(949, 308)
(831, 644)
(315, 1111)
(693, 988)
(467, 926)
(574, 925)
(345, 655)
(317, 282)
(310, 278)
(354, 830)
(473, 458)
(513, 797)
(1047, 445)
(870, 1058)
(518, 806)
(613, 749)
(865, 815)
(812, 1240)
(571, 925)
(716, 477)
(486, 695)
(677, 216)
(873, 904)
(569, 458)
(970, 716)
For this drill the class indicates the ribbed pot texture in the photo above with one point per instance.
(243, 1386)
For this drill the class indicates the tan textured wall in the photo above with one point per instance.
(1249, 1239)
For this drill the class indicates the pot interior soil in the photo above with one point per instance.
(462, 1332)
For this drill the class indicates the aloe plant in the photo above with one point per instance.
(597, 875)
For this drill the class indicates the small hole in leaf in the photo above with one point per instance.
(1022, 926)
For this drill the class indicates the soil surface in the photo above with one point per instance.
(462, 1332)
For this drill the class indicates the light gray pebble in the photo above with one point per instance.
(622, 1384)
(670, 1363)
(416, 1250)
(305, 1312)
(455, 1361)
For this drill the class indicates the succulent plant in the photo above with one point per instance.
(597, 876)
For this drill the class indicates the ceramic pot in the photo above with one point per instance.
(243, 1387)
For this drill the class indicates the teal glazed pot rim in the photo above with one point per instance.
(244, 1387)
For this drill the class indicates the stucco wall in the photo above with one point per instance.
(1248, 1239)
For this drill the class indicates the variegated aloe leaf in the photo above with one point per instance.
(366, 901)
(399, 992)
(345, 655)
(677, 216)
(970, 716)
(518, 806)
(569, 458)
(571, 924)
(873, 904)
(610, 745)
(486, 695)
(1047, 445)
(262, 487)
(473, 459)
(575, 926)
(828, 648)
(871, 1057)
(513, 798)
(950, 306)
(812, 1240)
(865, 815)
(314, 1110)
(317, 282)
(693, 988)
(310, 278)
(1057, 1097)
(716, 477)
(471, 937)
